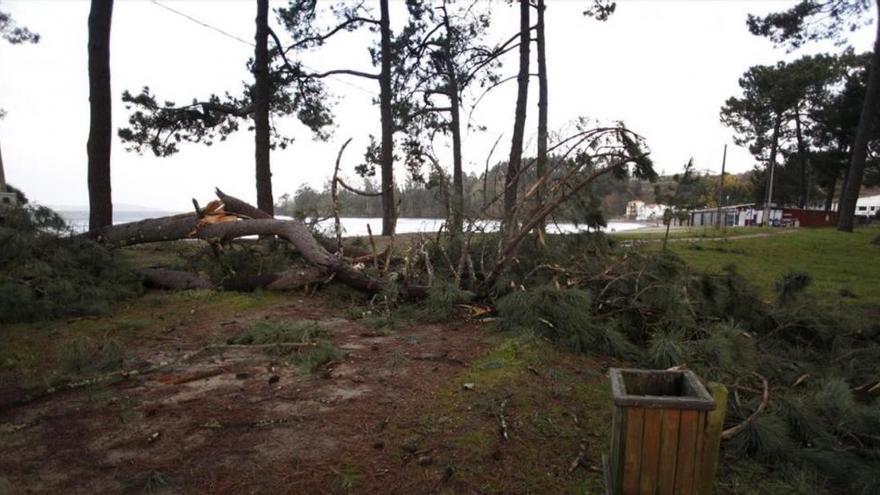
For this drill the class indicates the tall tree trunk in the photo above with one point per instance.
(2, 175)
(457, 220)
(829, 195)
(850, 194)
(771, 169)
(541, 163)
(519, 121)
(389, 216)
(802, 160)
(262, 91)
(457, 176)
(100, 124)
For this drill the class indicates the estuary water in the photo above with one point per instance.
(351, 226)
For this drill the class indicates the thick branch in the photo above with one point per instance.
(188, 226)
(334, 72)
(323, 37)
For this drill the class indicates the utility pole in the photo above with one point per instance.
(720, 195)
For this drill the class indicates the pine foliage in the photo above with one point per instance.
(652, 309)
(46, 272)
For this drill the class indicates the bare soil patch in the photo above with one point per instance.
(253, 423)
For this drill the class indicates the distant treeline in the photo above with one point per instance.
(424, 197)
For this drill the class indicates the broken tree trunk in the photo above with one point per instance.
(244, 209)
(190, 226)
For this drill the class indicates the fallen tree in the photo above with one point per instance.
(233, 218)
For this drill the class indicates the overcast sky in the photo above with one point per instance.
(663, 67)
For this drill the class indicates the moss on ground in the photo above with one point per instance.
(553, 402)
(35, 353)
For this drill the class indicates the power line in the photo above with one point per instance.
(203, 24)
(240, 40)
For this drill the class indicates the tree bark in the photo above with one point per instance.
(802, 160)
(452, 88)
(187, 226)
(850, 194)
(389, 215)
(519, 122)
(541, 164)
(262, 90)
(2, 174)
(771, 169)
(100, 124)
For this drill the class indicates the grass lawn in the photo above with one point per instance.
(657, 233)
(835, 260)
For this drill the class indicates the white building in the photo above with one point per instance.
(638, 210)
(867, 206)
(633, 208)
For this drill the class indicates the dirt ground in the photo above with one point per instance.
(415, 408)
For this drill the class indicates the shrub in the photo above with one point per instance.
(311, 360)
(239, 259)
(791, 285)
(280, 332)
(84, 355)
(442, 301)
(45, 272)
(667, 348)
(563, 316)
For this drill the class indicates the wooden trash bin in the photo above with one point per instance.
(666, 433)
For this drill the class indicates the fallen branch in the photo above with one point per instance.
(373, 247)
(198, 376)
(260, 346)
(579, 460)
(765, 401)
(334, 197)
(503, 421)
(109, 378)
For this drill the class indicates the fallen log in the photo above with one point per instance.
(189, 226)
(245, 209)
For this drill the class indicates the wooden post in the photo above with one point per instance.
(712, 440)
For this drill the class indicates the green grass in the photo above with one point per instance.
(34, 352)
(657, 233)
(835, 260)
(279, 332)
